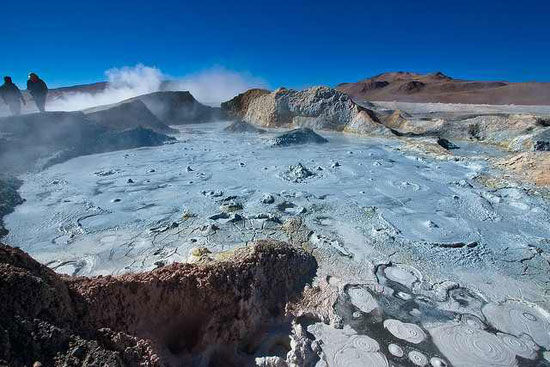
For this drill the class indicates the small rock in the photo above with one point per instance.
(268, 199)
(335, 164)
(189, 169)
(446, 144)
(235, 218)
(219, 216)
(130, 181)
(230, 206)
(297, 173)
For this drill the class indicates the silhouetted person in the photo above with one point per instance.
(38, 90)
(11, 95)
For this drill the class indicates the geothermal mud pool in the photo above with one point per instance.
(421, 263)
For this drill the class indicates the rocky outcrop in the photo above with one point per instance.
(532, 167)
(515, 132)
(212, 313)
(237, 106)
(299, 136)
(317, 108)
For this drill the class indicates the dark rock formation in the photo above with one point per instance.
(34, 141)
(129, 139)
(446, 144)
(127, 115)
(9, 198)
(178, 108)
(30, 140)
(240, 126)
(213, 313)
(413, 86)
(299, 136)
(541, 146)
(541, 140)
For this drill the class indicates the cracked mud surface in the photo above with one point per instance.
(419, 262)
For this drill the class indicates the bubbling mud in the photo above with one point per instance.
(517, 318)
(467, 346)
(418, 358)
(409, 332)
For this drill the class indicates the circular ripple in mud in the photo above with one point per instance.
(467, 346)
(396, 350)
(408, 332)
(418, 358)
(517, 318)
(400, 275)
(362, 299)
(365, 343)
(353, 357)
(438, 362)
(517, 346)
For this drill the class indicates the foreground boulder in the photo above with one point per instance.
(212, 313)
(299, 136)
(317, 107)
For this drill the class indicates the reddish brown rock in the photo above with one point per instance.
(214, 312)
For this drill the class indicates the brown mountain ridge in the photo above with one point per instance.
(437, 87)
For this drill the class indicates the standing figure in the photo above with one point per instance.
(11, 95)
(38, 90)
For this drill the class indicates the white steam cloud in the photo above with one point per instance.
(211, 87)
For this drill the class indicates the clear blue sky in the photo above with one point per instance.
(287, 43)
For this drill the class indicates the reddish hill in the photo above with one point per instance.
(438, 87)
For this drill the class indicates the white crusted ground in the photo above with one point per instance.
(369, 203)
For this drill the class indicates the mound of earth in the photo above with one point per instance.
(299, 136)
(437, 87)
(127, 115)
(297, 173)
(178, 108)
(240, 126)
(212, 313)
(129, 139)
(317, 107)
(35, 141)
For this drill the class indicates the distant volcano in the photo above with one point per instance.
(438, 87)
